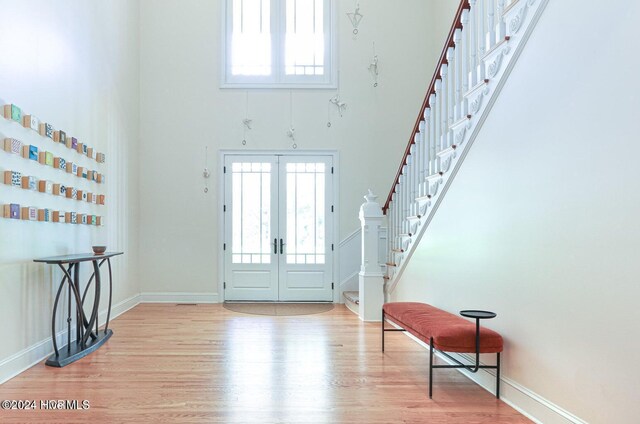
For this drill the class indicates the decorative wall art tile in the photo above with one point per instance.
(74, 193)
(59, 190)
(101, 199)
(13, 178)
(48, 159)
(42, 157)
(32, 214)
(85, 174)
(85, 150)
(11, 145)
(100, 179)
(74, 144)
(74, 218)
(30, 121)
(30, 152)
(44, 215)
(100, 157)
(55, 216)
(60, 163)
(83, 219)
(60, 137)
(89, 195)
(90, 152)
(93, 219)
(84, 196)
(99, 221)
(15, 211)
(45, 186)
(67, 217)
(29, 183)
(29, 214)
(46, 130)
(79, 171)
(11, 211)
(13, 112)
(94, 198)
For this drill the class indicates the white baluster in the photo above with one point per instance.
(444, 117)
(433, 105)
(394, 198)
(481, 38)
(501, 30)
(464, 19)
(423, 154)
(473, 28)
(416, 173)
(450, 94)
(457, 108)
(411, 165)
(491, 22)
(427, 148)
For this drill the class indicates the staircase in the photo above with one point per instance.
(484, 42)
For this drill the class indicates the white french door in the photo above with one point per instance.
(278, 218)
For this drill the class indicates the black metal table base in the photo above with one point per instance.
(88, 336)
(67, 355)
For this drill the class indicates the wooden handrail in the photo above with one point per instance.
(464, 4)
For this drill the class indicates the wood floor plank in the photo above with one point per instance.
(205, 364)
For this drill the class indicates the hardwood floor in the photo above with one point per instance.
(205, 364)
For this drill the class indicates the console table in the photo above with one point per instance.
(88, 338)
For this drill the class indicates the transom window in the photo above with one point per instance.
(279, 43)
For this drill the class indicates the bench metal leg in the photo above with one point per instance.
(382, 330)
(430, 367)
(498, 375)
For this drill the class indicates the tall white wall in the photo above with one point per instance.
(541, 224)
(183, 110)
(73, 63)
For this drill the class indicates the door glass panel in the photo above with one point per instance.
(251, 197)
(305, 213)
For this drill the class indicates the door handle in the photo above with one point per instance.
(281, 246)
(275, 246)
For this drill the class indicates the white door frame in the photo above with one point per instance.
(336, 199)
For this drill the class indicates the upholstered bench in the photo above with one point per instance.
(444, 332)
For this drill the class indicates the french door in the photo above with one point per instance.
(278, 218)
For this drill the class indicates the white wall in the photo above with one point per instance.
(541, 223)
(75, 64)
(183, 110)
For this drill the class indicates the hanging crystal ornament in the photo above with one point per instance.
(355, 18)
(246, 122)
(373, 66)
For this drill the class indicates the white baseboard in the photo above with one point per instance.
(36, 353)
(179, 297)
(528, 403)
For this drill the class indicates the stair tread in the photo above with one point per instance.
(352, 296)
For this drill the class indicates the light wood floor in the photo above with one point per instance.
(205, 364)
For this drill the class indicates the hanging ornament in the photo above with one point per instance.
(291, 132)
(246, 122)
(342, 106)
(373, 66)
(355, 17)
(206, 173)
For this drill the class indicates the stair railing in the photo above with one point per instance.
(478, 26)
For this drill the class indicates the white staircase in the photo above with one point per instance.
(481, 49)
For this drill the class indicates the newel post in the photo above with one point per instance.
(371, 291)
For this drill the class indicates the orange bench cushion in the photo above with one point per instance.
(450, 333)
